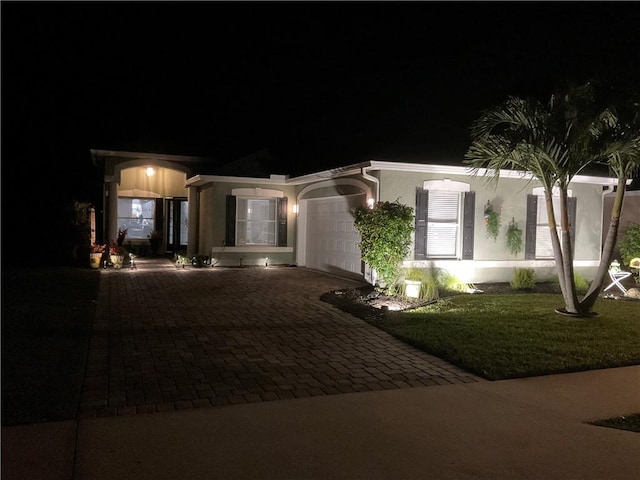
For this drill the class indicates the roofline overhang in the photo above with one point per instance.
(482, 172)
(357, 168)
(101, 155)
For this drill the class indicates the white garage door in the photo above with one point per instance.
(332, 240)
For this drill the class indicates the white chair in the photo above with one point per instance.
(617, 276)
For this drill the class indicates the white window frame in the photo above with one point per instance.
(450, 189)
(257, 194)
(243, 225)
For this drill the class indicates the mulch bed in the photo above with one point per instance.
(369, 304)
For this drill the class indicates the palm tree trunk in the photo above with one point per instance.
(571, 295)
(563, 258)
(607, 252)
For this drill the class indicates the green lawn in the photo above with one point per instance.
(47, 317)
(519, 335)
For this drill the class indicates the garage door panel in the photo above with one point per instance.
(332, 240)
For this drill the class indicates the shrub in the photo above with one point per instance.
(524, 279)
(450, 282)
(630, 243)
(385, 237)
(582, 284)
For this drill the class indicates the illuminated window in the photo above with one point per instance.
(137, 215)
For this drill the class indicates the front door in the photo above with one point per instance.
(178, 222)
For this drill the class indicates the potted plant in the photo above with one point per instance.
(413, 282)
(514, 237)
(491, 221)
(116, 255)
(122, 234)
(95, 255)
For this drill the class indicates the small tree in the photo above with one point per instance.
(385, 237)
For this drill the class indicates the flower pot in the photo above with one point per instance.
(94, 260)
(412, 288)
(117, 260)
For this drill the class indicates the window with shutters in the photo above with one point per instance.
(256, 220)
(444, 221)
(538, 235)
(443, 224)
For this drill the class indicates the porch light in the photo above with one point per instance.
(295, 208)
(370, 202)
(150, 171)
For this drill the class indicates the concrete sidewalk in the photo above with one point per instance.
(531, 428)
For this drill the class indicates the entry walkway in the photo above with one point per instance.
(168, 338)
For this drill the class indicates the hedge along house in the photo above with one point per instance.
(248, 219)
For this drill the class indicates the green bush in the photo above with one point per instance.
(582, 284)
(449, 281)
(524, 279)
(385, 237)
(630, 243)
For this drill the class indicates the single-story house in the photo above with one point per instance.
(268, 219)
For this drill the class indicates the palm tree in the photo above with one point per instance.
(554, 141)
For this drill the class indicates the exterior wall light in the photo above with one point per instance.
(370, 202)
(150, 172)
(295, 208)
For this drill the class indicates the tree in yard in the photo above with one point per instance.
(554, 141)
(385, 237)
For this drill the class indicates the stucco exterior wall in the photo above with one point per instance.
(212, 228)
(165, 182)
(492, 260)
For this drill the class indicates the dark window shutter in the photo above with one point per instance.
(159, 220)
(530, 229)
(420, 244)
(571, 204)
(468, 222)
(230, 222)
(282, 222)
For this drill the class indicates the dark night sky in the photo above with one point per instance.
(317, 84)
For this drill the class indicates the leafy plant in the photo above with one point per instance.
(385, 237)
(451, 282)
(582, 284)
(524, 279)
(514, 237)
(630, 243)
(429, 285)
(491, 221)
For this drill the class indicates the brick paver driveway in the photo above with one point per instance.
(167, 339)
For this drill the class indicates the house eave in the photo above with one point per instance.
(199, 180)
(460, 170)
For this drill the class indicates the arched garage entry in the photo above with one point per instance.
(327, 238)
